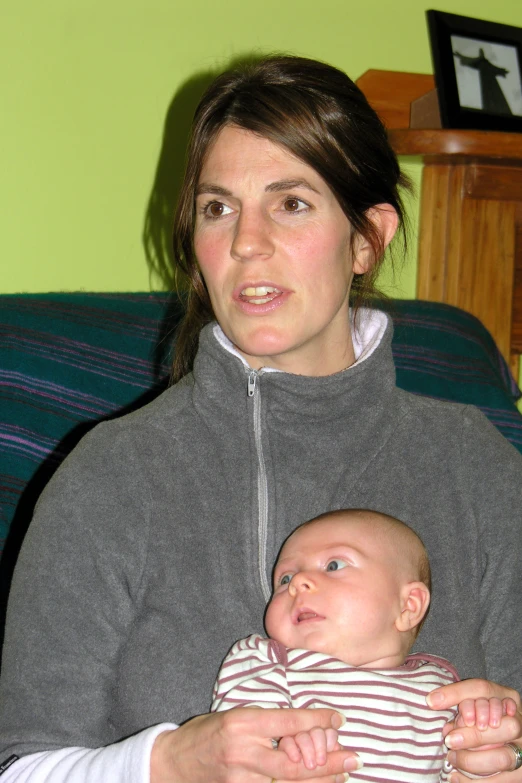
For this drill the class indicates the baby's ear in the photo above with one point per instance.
(415, 599)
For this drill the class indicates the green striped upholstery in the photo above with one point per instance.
(69, 360)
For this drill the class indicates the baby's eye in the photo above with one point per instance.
(293, 204)
(335, 565)
(216, 209)
(285, 579)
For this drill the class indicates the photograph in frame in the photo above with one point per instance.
(478, 72)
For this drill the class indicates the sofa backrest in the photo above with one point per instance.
(69, 360)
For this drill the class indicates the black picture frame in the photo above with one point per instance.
(478, 72)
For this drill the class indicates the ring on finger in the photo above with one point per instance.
(275, 745)
(517, 750)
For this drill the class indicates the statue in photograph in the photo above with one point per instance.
(493, 99)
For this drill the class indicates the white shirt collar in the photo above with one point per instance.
(367, 333)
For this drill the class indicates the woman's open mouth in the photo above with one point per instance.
(260, 294)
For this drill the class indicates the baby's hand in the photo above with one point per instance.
(484, 712)
(310, 746)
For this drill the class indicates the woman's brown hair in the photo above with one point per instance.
(316, 112)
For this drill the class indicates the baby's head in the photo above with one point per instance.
(352, 584)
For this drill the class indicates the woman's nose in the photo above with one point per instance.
(301, 582)
(252, 238)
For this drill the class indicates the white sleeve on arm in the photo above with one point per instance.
(127, 761)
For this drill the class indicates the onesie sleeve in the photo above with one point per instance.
(493, 474)
(74, 595)
(253, 674)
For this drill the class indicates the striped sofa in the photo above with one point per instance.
(69, 360)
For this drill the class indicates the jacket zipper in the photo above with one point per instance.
(262, 486)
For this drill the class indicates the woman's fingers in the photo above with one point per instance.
(279, 766)
(331, 779)
(280, 723)
(259, 723)
(235, 747)
(469, 737)
(485, 762)
(452, 695)
(503, 777)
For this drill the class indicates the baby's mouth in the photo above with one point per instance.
(260, 294)
(306, 616)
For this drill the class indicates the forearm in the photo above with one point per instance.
(124, 762)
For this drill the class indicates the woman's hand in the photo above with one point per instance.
(476, 751)
(236, 747)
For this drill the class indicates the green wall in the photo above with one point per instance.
(87, 87)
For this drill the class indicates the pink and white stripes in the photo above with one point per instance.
(389, 724)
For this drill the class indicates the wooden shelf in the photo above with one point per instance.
(437, 143)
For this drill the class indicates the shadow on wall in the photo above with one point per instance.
(159, 216)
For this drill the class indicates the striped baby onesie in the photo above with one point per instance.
(389, 724)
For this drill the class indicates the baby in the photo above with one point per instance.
(351, 590)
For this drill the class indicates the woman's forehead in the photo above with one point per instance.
(237, 150)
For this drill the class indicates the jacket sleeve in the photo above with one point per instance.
(75, 592)
(492, 469)
(251, 676)
(122, 762)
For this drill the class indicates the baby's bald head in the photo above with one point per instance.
(410, 553)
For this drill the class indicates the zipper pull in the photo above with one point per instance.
(252, 377)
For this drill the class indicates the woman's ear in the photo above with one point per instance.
(415, 599)
(385, 219)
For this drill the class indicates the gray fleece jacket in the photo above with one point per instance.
(151, 548)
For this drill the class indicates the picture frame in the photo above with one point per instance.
(478, 72)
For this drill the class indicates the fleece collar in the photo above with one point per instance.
(367, 332)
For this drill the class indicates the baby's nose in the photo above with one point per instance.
(300, 583)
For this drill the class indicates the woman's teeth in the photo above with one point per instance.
(260, 294)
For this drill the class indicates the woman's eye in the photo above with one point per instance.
(216, 209)
(335, 565)
(292, 204)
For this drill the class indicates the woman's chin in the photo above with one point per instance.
(265, 349)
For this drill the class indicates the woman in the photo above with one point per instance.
(150, 550)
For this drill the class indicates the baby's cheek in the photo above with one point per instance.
(274, 618)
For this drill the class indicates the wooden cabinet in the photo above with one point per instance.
(470, 233)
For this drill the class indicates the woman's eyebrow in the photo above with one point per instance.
(273, 187)
(209, 187)
(289, 184)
